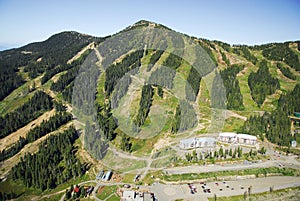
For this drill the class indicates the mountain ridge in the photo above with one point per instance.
(143, 22)
(262, 91)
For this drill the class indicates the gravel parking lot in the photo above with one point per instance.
(220, 188)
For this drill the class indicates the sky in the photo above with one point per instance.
(236, 22)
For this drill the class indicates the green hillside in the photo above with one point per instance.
(144, 100)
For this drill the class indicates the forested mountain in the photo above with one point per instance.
(36, 58)
(138, 88)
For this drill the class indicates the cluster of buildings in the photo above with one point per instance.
(230, 137)
(201, 142)
(131, 195)
(226, 137)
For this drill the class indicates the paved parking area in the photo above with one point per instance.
(228, 188)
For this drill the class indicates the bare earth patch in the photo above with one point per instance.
(31, 148)
(161, 143)
(89, 46)
(230, 113)
(14, 137)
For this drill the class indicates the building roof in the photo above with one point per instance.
(76, 189)
(107, 175)
(206, 139)
(188, 140)
(227, 134)
(246, 136)
(148, 197)
(130, 195)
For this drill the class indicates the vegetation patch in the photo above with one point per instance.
(107, 191)
(215, 175)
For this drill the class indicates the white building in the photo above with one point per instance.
(246, 139)
(227, 137)
(197, 142)
(230, 137)
(130, 195)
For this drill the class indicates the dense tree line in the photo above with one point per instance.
(223, 154)
(59, 106)
(177, 120)
(184, 117)
(55, 162)
(160, 91)
(82, 192)
(34, 68)
(289, 102)
(236, 50)
(248, 55)
(106, 121)
(116, 71)
(188, 117)
(218, 92)
(262, 83)
(10, 61)
(209, 43)
(233, 93)
(9, 80)
(68, 92)
(209, 52)
(279, 131)
(55, 51)
(121, 90)
(205, 61)
(177, 41)
(53, 71)
(225, 59)
(126, 144)
(243, 50)
(225, 46)
(154, 58)
(193, 81)
(286, 71)
(282, 52)
(65, 79)
(162, 76)
(145, 104)
(276, 126)
(255, 125)
(173, 61)
(95, 141)
(8, 196)
(44, 128)
(35, 106)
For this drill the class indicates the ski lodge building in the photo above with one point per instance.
(229, 137)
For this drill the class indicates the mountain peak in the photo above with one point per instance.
(145, 23)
